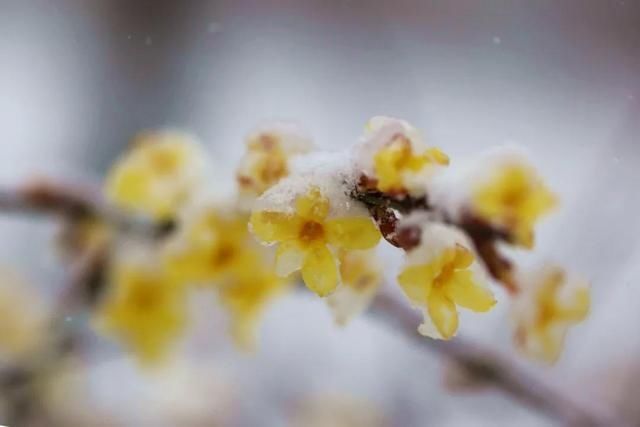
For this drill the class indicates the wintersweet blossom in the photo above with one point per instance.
(215, 241)
(245, 296)
(143, 309)
(157, 175)
(306, 236)
(515, 198)
(361, 274)
(439, 276)
(394, 155)
(545, 308)
(266, 161)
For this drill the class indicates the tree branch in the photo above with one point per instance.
(74, 204)
(489, 367)
(484, 365)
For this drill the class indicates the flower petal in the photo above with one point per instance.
(319, 271)
(289, 258)
(313, 205)
(463, 291)
(438, 156)
(416, 282)
(577, 309)
(274, 226)
(387, 165)
(463, 257)
(443, 313)
(352, 233)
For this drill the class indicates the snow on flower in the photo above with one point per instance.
(393, 155)
(269, 151)
(158, 175)
(548, 304)
(513, 197)
(310, 217)
(143, 310)
(361, 274)
(441, 274)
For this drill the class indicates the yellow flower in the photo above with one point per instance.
(144, 310)
(361, 277)
(305, 236)
(267, 158)
(545, 310)
(440, 284)
(215, 243)
(245, 295)
(396, 160)
(515, 198)
(157, 176)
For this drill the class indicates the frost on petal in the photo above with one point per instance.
(313, 205)
(329, 173)
(392, 153)
(270, 149)
(320, 271)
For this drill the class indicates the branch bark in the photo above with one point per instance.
(74, 204)
(491, 368)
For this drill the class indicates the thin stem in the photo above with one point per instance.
(486, 366)
(73, 203)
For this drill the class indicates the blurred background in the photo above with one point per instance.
(561, 79)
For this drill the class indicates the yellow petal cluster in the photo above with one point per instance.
(214, 244)
(442, 283)
(361, 275)
(143, 310)
(156, 176)
(266, 160)
(305, 237)
(245, 296)
(514, 198)
(397, 160)
(216, 249)
(545, 312)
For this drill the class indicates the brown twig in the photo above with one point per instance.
(486, 366)
(75, 203)
(387, 211)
